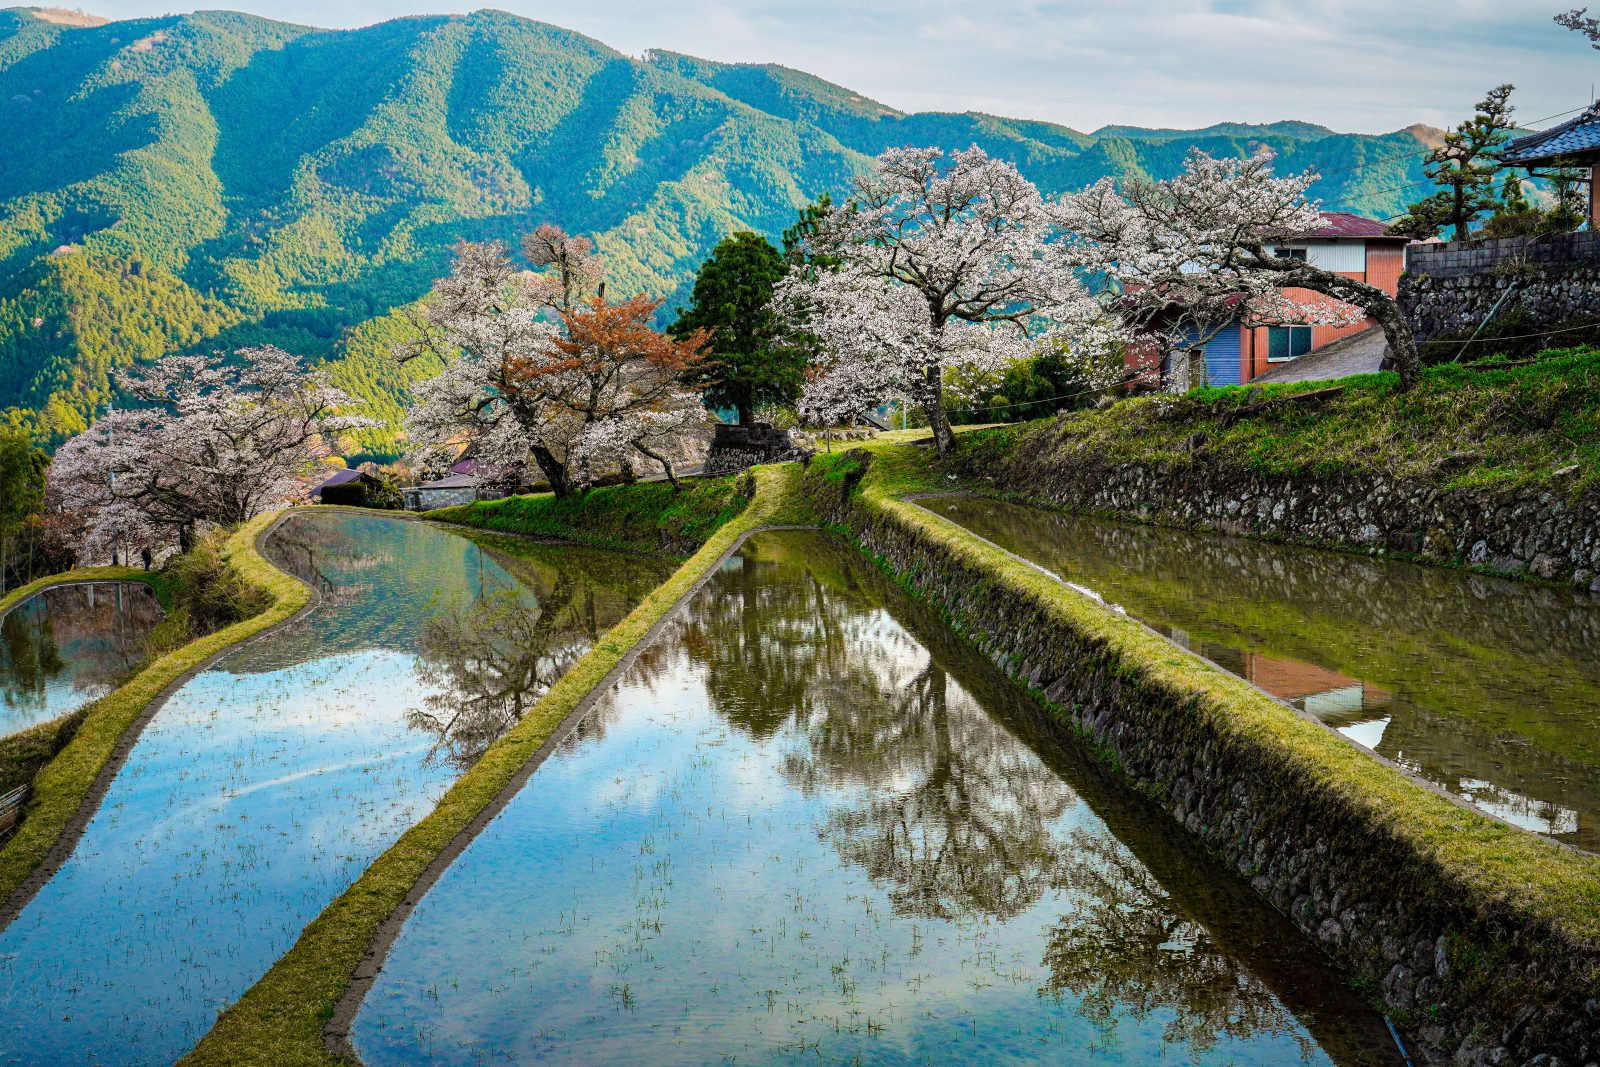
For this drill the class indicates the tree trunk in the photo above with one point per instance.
(944, 439)
(1402, 356)
(666, 464)
(554, 471)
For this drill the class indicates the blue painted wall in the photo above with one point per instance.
(1222, 357)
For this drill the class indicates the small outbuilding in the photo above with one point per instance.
(443, 493)
(344, 487)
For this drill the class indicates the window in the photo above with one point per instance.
(1290, 253)
(1287, 342)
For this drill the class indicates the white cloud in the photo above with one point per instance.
(1366, 65)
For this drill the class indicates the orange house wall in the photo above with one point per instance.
(1385, 262)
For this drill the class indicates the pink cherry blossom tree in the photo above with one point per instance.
(1199, 249)
(935, 264)
(537, 373)
(215, 442)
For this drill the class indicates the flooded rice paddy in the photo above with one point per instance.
(1486, 687)
(810, 825)
(267, 783)
(70, 644)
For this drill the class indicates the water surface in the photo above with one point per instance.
(810, 825)
(70, 644)
(1487, 687)
(268, 783)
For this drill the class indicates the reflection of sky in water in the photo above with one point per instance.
(66, 646)
(689, 883)
(1488, 688)
(255, 795)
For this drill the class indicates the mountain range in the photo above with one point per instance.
(217, 179)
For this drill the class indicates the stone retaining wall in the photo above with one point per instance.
(1531, 533)
(1472, 981)
(1454, 288)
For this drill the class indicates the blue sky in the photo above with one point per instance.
(1356, 65)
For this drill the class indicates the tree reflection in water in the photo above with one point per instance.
(943, 803)
(489, 660)
(1127, 949)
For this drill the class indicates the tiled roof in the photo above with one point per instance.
(1344, 224)
(338, 478)
(455, 481)
(1575, 137)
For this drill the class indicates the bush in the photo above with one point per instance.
(205, 595)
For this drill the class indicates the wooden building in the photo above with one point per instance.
(1574, 143)
(1347, 244)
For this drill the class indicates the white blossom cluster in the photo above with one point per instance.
(217, 442)
(935, 264)
(1195, 252)
(573, 418)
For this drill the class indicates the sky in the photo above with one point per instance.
(1355, 65)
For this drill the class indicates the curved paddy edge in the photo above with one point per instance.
(301, 1010)
(68, 790)
(1475, 934)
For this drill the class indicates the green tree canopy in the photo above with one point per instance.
(1464, 168)
(748, 364)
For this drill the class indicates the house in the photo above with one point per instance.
(1347, 244)
(343, 487)
(1574, 143)
(443, 493)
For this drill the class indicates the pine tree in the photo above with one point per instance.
(747, 363)
(1464, 167)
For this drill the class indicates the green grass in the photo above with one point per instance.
(61, 786)
(645, 517)
(280, 1019)
(1533, 426)
(1491, 861)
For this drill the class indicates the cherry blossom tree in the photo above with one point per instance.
(935, 264)
(1205, 243)
(215, 442)
(537, 372)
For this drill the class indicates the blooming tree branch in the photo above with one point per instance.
(1199, 250)
(934, 264)
(217, 442)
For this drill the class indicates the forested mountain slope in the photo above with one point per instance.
(218, 179)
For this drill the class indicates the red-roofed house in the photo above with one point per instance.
(1347, 244)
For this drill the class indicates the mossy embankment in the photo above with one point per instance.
(1525, 425)
(644, 517)
(282, 1019)
(1466, 928)
(65, 787)
(1496, 467)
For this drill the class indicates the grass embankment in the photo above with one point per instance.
(644, 517)
(1534, 425)
(1495, 863)
(24, 752)
(60, 788)
(280, 1020)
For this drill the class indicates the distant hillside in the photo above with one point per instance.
(218, 179)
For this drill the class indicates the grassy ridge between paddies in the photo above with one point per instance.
(60, 788)
(24, 752)
(280, 1020)
(643, 517)
(1495, 862)
(1533, 425)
